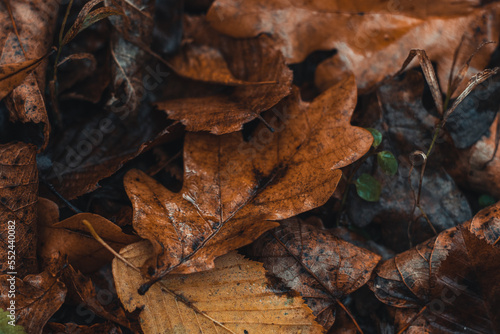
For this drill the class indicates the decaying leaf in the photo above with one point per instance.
(477, 167)
(12, 75)
(233, 297)
(128, 58)
(72, 328)
(365, 33)
(314, 262)
(18, 214)
(448, 284)
(37, 298)
(86, 293)
(95, 148)
(87, 17)
(35, 21)
(233, 189)
(229, 62)
(72, 238)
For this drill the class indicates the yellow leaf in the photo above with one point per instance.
(234, 297)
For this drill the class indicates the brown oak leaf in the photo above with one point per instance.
(372, 38)
(258, 71)
(234, 189)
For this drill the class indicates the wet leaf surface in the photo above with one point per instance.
(233, 188)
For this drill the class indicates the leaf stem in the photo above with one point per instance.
(61, 34)
(108, 247)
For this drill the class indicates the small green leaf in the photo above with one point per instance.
(377, 137)
(387, 162)
(368, 188)
(486, 200)
(6, 328)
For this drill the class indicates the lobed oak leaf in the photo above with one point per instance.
(316, 263)
(72, 238)
(18, 211)
(256, 69)
(233, 189)
(372, 38)
(448, 284)
(233, 297)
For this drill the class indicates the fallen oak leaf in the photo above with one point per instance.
(253, 60)
(448, 284)
(233, 189)
(367, 31)
(233, 297)
(206, 63)
(71, 237)
(314, 262)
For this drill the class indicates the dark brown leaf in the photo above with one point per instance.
(314, 262)
(71, 328)
(129, 60)
(95, 148)
(83, 287)
(18, 212)
(37, 298)
(233, 189)
(238, 63)
(87, 17)
(448, 284)
(35, 21)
